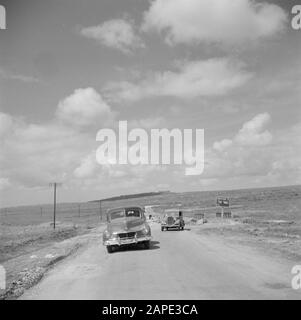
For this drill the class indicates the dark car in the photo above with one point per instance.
(126, 226)
(173, 220)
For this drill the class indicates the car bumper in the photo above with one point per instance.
(120, 242)
(171, 226)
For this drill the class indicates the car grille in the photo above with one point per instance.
(170, 220)
(126, 235)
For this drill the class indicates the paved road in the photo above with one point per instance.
(179, 265)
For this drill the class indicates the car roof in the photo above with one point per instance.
(171, 213)
(125, 208)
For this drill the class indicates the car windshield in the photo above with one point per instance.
(117, 214)
(132, 213)
(172, 214)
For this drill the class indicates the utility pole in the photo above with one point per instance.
(55, 185)
(79, 209)
(100, 210)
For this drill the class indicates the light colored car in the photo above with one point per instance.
(173, 220)
(126, 226)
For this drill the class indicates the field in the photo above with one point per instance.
(267, 218)
(275, 211)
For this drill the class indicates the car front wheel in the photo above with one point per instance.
(147, 244)
(110, 249)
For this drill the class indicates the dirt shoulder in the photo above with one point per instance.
(16, 240)
(274, 237)
(25, 270)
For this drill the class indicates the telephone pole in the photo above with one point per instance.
(55, 185)
(100, 210)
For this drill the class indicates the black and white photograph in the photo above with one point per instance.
(150, 150)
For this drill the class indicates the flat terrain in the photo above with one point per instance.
(179, 265)
(262, 240)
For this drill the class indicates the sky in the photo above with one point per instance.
(69, 68)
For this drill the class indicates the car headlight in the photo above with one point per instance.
(106, 234)
(144, 231)
(114, 235)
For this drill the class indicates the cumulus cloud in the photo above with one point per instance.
(250, 152)
(253, 133)
(222, 145)
(84, 107)
(36, 154)
(259, 165)
(213, 21)
(33, 154)
(87, 167)
(117, 33)
(191, 79)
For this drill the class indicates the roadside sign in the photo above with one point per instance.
(223, 202)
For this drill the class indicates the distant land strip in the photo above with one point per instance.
(131, 196)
